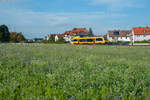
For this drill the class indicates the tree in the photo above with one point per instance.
(52, 38)
(60, 41)
(4, 33)
(13, 37)
(17, 37)
(20, 37)
(90, 32)
(1, 36)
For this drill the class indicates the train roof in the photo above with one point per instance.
(88, 37)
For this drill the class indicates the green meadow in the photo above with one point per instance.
(73, 72)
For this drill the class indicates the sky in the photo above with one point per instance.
(37, 18)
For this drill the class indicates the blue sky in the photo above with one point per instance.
(37, 18)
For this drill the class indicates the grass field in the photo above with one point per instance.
(67, 72)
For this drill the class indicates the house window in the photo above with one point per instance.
(145, 31)
(116, 33)
(121, 37)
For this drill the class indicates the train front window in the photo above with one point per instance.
(75, 40)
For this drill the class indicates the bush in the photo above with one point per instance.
(60, 41)
(118, 43)
(142, 41)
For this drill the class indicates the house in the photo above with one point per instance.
(82, 32)
(141, 33)
(68, 36)
(75, 33)
(29, 40)
(38, 39)
(49, 36)
(58, 36)
(119, 35)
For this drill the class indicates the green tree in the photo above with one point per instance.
(60, 41)
(13, 37)
(1, 36)
(17, 37)
(4, 33)
(90, 32)
(52, 38)
(20, 37)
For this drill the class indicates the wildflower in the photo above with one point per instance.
(117, 97)
(143, 81)
(54, 97)
(22, 93)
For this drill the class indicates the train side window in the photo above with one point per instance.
(99, 39)
(83, 40)
(90, 40)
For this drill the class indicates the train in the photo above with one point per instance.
(90, 40)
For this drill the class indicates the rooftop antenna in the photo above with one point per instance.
(9, 27)
(14, 28)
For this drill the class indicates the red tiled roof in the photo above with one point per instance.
(60, 35)
(122, 33)
(79, 30)
(141, 30)
(69, 33)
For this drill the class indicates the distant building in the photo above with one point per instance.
(58, 36)
(82, 32)
(69, 35)
(141, 33)
(119, 35)
(38, 39)
(29, 40)
(49, 36)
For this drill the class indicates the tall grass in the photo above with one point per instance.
(68, 72)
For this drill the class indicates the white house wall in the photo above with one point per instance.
(56, 38)
(69, 38)
(133, 36)
(141, 37)
(124, 39)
